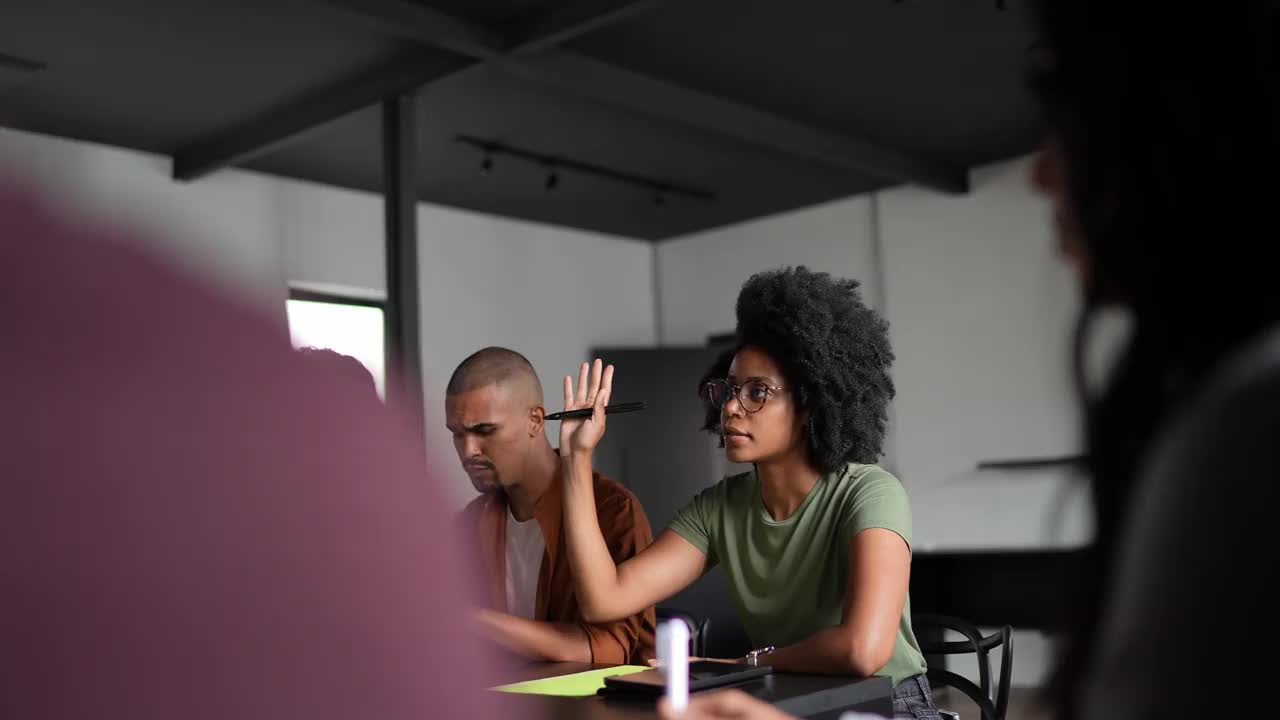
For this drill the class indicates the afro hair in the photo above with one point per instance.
(834, 351)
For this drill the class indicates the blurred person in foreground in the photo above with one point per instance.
(1151, 163)
(1160, 120)
(194, 521)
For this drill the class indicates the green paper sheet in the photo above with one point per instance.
(583, 684)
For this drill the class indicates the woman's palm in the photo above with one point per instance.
(595, 384)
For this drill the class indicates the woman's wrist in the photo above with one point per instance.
(576, 466)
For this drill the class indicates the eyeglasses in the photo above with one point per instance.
(751, 395)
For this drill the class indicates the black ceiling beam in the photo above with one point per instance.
(20, 64)
(423, 24)
(399, 76)
(426, 25)
(573, 20)
(586, 76)
(282, 124)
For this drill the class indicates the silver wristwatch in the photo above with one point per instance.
(753, 657)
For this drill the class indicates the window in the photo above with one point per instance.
(350, 326)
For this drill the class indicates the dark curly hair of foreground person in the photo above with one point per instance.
(834, 351)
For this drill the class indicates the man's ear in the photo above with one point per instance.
(537, 420)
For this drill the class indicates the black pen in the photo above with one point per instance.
(587, 412)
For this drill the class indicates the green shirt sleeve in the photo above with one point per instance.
(694, 521)
(878, 501)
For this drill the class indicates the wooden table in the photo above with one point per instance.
(809, 696)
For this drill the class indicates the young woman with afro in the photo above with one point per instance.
(815, 540)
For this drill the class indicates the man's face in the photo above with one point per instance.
(491, 434)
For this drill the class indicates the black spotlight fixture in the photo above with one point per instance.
(658, 190)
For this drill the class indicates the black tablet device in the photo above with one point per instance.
(703, 675)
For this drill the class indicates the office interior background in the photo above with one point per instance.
(601, 177)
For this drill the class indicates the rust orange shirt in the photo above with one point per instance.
(626, 532)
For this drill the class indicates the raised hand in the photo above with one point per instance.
(595, 384)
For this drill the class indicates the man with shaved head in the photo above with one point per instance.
(494, 409)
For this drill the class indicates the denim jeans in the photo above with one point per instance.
(912, 700)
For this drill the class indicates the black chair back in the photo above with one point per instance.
(992, 699)
(698, 628)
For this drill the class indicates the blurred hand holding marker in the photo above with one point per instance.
(673, 658)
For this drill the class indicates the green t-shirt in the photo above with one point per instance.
(788, 578)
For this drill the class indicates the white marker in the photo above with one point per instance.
(673, 656)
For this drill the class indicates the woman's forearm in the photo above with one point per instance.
(833, 651)
(595, 575)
